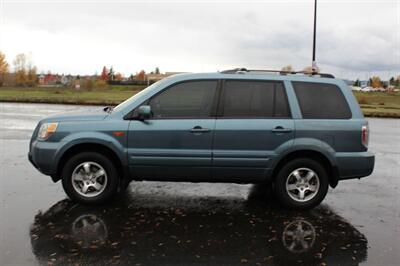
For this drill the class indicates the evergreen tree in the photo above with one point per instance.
(111, 74)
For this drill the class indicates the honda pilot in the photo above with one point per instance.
(296, 132)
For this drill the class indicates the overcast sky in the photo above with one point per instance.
(354, 38)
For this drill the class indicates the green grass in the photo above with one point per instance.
(376, 104)
(379, 104)
(108, 96)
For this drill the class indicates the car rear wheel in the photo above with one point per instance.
(90, 178)
(301, 184)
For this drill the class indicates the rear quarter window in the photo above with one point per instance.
(321, 101)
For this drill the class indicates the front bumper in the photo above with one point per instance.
(42, 156)
(355, 165)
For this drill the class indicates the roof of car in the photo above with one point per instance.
(258, 75)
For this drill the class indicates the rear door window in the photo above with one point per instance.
(254, 99)
(321, 101)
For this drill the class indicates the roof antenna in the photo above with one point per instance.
(314, 62)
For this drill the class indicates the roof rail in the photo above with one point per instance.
(281, 72)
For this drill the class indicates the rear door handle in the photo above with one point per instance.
(280, 129)
(199, 129)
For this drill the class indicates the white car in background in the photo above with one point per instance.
(367, 89)
(355, 88)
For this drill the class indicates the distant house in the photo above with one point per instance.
(41, 79)
(167, 74)
(50, 79)
(155, 77)
(66, 80)
(55, 80)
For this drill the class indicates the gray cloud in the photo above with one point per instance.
(80, 37)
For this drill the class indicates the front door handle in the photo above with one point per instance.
(280, 129)
(199, 129)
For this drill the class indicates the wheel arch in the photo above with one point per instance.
(312, 154)
(90, 147)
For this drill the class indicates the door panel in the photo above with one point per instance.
(171, 148)
(254, 121)
(245, 148)
(176, 143)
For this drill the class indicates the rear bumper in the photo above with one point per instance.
(355, 165)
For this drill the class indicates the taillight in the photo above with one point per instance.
(365, 135)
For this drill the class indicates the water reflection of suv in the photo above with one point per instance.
(176, 228)
(300, 133)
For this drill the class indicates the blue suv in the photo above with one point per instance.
(299, 133)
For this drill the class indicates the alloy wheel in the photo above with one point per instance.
(89, 179)
(302, 184)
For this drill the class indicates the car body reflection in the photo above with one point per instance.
(143, 228)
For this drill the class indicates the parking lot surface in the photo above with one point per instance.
(189, 223)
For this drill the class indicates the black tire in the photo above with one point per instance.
(111, 187)
(123, 186)
(284, 174)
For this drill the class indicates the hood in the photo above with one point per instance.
(88, 115)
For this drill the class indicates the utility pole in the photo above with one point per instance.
(314, 62)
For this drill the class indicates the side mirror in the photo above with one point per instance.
(144, 112)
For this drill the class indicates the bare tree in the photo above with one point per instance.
(376, 82)
(31, 76)
(20, 69)
(3, 68)
(25, 71)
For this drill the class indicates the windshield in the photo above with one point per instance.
(129, 100)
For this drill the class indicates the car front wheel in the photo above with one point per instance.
(301, 184)
(90, 178)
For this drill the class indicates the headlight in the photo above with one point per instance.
(46, 130)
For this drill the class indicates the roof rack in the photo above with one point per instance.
(281, 72)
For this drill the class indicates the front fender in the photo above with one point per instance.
(91, 138)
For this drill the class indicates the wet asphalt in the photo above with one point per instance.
(168, 223)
